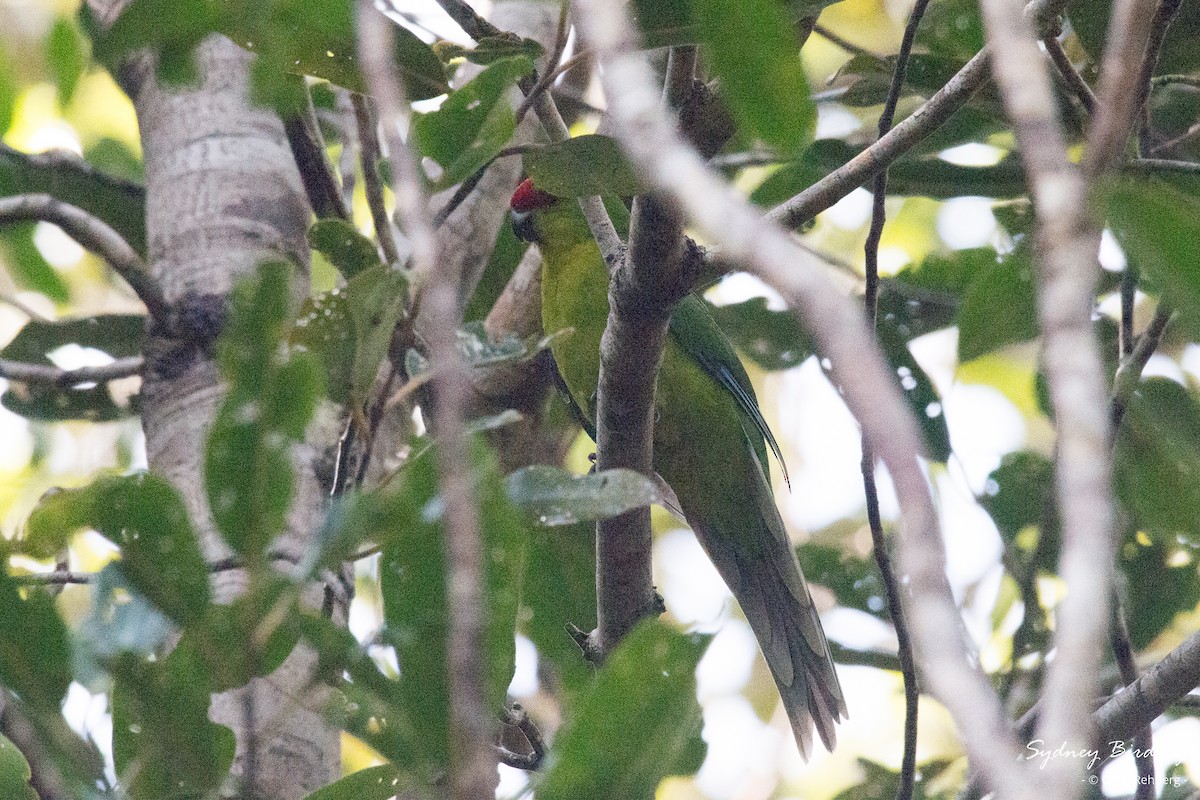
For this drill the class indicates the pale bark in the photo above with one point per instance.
(222, 195)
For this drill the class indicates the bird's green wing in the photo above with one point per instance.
(697, 334)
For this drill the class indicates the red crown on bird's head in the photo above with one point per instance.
(529, 198)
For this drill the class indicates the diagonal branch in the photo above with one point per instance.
(44, 373)
(96, 236)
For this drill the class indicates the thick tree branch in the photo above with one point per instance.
(473, 761)
(95, 236)
(1159, 687)
(841, 333)
(308, 146)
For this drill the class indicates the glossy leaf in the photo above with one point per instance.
(582, 166)
(144, 515)
(14, 773)
(117, 335)
(160, 723)
(121, 620)
(552, 496)
(1157, 460)
(351, 330)
(35, 659)
(346, 248)
(641, 713)
(248, 469)
(999, 308)
(373, 783)
(474, 123)
(754, 53)
(1158, 226)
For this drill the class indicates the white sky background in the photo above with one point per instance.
(821, 441)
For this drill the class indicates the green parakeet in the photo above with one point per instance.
(710, 446)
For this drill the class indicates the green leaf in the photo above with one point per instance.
(918, 390)
(641, 713)
(1019, 492)
(9, 91)
(145, 516)
(1161, 581)
(346, 248)
(1180, 49)
(1157, 225)
(306, 37)
(552, 496)
(582, 166)
(119, 203)
(67, 54)
(506, 255)
(853, 580)
(161, 725)
(350, 329)
(754, 52)
(773, 340)
(999, 308)
(413, 585)
(560, 591)
(35, 660)
(1157, 460)
(14, 773)
(58, 515)
(372, 783)
(952, 28)
(473, 124)
(26, 263)
(272, 394)
(664, 23)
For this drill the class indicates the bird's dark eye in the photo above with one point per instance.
(522, 226)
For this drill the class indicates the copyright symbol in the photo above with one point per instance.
(1093, 779)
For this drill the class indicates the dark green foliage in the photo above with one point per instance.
(640, 713)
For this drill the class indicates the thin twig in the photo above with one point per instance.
(518, 718)
(1163, 17)
(1075, 82)
(870, 389)
(553, 70)
(1154, 164)
(842, 42)
(93, 235)
(1122, 648)
(372, 154)
(797, 211)
(64, 378)
(473, 761)
(1129, 373)
(908, 767)
(474, 25)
